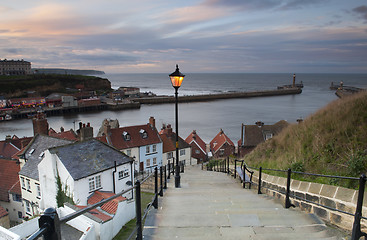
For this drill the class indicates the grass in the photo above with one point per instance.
(126, 230)
(332, 141)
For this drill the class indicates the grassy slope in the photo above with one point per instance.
(331, 141)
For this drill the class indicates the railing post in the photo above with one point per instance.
(165, 177)
(51, 221)
(182, 167)
(228, 165)
(169, 170)
(288, 203)
(161, 181)
(235, 166)
(139, 233)
(244, 176)
(259, 185)
(155, 202)
(173, 167)
(356, 232)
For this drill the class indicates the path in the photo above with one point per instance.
(212, 205)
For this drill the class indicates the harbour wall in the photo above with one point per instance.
(211, 97)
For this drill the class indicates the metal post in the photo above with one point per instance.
(183, 167)
(165, 177)
(228, 165)
(139, 233)
(356, 232)
(259, 185)
(288, 203)
(177, 176)
(169, 170)
(155, 202)
(244, 176)
(235, 166)
(161, 181)
(50, 220)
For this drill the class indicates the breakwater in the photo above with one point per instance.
(212, 97)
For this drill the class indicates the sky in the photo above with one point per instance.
(228, 36)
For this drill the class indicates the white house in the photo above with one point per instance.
(32, 155)
(84, 167)
(169, 147)
(141, 142)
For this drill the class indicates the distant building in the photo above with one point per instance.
(169, 147)
(15, 67)
(221, 146)
(198, 147)
(253, 135)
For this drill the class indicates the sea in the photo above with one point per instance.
(208, 118)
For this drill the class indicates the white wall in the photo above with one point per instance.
(26, 229)
(7, 234)
(81, 223)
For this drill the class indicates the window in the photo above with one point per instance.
(17, 197)
(155, 161)
(23, 182)
(20, 214)
(28, 207)
(95, 183)
(170, 155)
(182, 152)
(143, 133)
(147, 149)
(123, 174)
(38, 190)
(28, 185)
(154, 148)
(197, 151)
(128, 152)
(268, 136)
(148, 162)
(126, 136)
(221, 152)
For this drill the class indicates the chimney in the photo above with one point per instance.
(7, 138)
(299, 120)
(152, 122)
(169, 129)
(259, 123)
(62, 129)
(221, 131)
(242, 127)
(40, 124)
(194, 134)
(86, 132)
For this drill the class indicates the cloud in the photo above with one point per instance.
(362, 11)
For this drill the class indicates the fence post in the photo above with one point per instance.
(288, 203)
(244, 176)
(139, 233)
(259, 185)
(169, 170)
(228, 165)
(161, 181)
(182, 167)
(235, 166)
(155, 202)
(165, 177)
(356, 232)
(50, 219)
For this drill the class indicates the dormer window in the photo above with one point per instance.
(126, 136)
(143, 133)
(30, 152)
(41, 155)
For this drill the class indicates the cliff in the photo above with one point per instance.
(44, 84)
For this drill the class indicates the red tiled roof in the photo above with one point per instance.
(9, 179)
(3, 212)
(169, 140)
(116, 138)
(68, 135)
(111, 206)
(219, 140)
(193, 137)
(98, 214)
(7, 149)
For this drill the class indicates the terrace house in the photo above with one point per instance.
(141, 142)
(198, 147)
(221, 146)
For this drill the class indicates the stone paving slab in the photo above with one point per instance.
(212, 205)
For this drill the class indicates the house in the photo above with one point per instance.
(83, 168)
(31, 156)
(7, 148)
(4, 218)
(221, 146)
(169, 147)
(10, 193)
(141, 142)
(252, 135)
(198, 147)
(69, 135)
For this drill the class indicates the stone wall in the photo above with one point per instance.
(340, 198)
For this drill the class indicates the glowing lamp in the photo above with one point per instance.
(176, 78)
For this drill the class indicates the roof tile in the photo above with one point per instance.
(9, 179)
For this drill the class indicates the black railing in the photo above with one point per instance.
(356, 231)
(49, 222)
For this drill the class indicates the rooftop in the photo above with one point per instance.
(9, 179)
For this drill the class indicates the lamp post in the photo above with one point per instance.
(176, 80)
